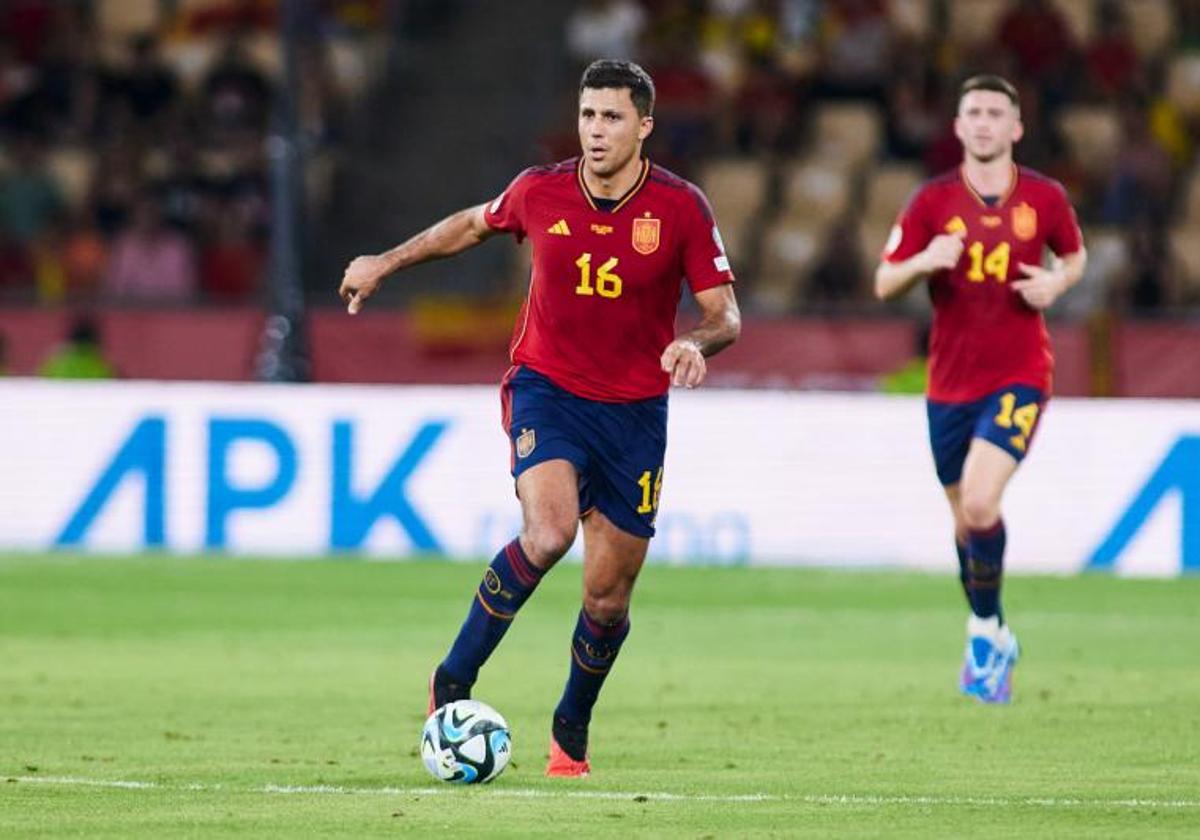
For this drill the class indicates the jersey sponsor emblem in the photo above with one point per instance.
(991, 221)
(559, 228)
(646, 235)
(1024, 221)
(956, 225)
(893, 241)
(601, 229)
(526, 441)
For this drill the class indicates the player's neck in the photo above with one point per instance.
(616, 184)
(989, 177)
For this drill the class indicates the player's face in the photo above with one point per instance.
(610, 130)
(988, 124)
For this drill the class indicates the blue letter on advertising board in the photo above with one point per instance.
(1180, 471)
(352, 517)
(223, 498)
(144, 451)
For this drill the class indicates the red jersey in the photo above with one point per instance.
(984, 335)
(606, 284)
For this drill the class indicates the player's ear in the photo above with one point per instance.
(646, 126)
(1018, 130)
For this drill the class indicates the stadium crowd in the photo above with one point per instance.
(808, 122)
(133, 163)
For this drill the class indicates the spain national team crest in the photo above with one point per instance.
(525, 443)
(646, 233)
(1024, 221)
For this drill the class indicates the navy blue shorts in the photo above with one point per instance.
(617, 448)
(1007, 417)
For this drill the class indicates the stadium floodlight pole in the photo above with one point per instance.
(283, 352)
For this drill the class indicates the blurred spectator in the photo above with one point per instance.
(150, 261)
(236, 93)
(27, 25)
(115, 185)
(231, 266)
(80, 357)
(839, 271)
(30, 199)
(1035, 33)
(149, 89)
(84, 258)
(682, 109)
(16, 268)
(1038, 41)
(49, 277)
(1112, 60)
(230, 17)
(1141, 180)
(605, 29)
(857, 49)
(916, 109)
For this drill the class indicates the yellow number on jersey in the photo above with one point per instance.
(995, 263)
(1023, 418)
(608, 284)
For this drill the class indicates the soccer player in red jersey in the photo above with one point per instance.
(594, 353)
(977, 236)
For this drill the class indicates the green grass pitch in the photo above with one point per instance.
(155, 696)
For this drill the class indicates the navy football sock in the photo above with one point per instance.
(985, 570)
(507, 584)
(961, 548)
(594, 647)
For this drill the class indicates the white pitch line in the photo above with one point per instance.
(852, 799)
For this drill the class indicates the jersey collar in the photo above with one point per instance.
(1012, 185)
(623, 200)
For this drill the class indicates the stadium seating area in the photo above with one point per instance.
(133, 164)
(808, 123)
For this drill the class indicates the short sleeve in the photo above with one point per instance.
(911, 233)
(507, 212)
(1065, 238)
(705, 263)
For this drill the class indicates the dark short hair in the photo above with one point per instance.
(996, 84)
(610, 73)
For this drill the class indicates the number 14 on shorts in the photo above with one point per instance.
(1022, 418)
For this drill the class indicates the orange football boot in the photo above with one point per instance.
(563, 766)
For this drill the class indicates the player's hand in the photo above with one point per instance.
(684, 362)
(1041, 286)
(360, 281)
(943, 251)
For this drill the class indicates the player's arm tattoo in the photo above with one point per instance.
(453, 234)
(720, 320)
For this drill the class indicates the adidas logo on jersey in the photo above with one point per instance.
(559, 228)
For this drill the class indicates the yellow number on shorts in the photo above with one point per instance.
(1022, 418)
(650, 492)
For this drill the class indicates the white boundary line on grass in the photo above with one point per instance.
(853, 800)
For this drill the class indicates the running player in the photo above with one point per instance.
(594, 352)
(978, 236)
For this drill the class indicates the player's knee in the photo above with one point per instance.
(606, 604)
(547, 542)
(979, 510)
